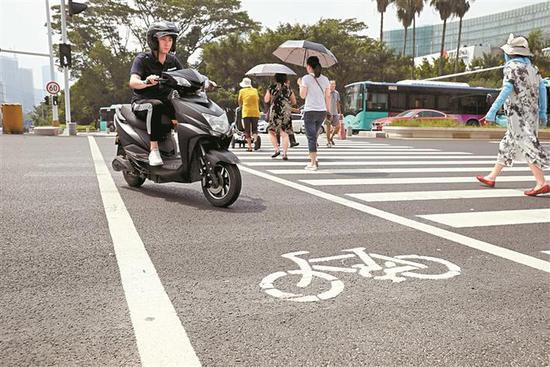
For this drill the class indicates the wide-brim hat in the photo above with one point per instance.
(517, 46)
(246, 82)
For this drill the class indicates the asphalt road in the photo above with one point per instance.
(474, 295)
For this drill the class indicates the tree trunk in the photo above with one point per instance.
(442, 47)
(405, 42)
(381, 27)
(458, 45)
(414, 46)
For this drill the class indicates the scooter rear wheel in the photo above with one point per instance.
(229, 188)
(133, 180)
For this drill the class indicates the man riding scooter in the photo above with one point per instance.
(149, 100)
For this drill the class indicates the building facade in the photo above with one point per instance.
(18, 86)
(487, 31)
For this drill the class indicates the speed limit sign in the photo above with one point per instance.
(53, 88)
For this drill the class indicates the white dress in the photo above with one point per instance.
(520, 141)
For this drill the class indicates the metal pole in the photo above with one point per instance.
(465, 73)
(23, 52)
(55, 116)
(70, 125)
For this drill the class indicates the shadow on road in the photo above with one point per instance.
(195, 199)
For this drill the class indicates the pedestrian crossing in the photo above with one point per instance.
(378, 173)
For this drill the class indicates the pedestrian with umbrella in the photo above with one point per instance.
(263, 70)
(314, 87)
(280, 98)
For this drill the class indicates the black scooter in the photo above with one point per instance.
(203, 135)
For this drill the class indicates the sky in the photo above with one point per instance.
(32, 34)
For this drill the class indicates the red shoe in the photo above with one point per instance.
(543, 190)
(484, 181)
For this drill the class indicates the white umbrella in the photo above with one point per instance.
(297, 52)
(269, 70)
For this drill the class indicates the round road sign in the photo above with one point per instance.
(53, 87)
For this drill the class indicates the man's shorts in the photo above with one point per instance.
(334, 120)
(250, 125)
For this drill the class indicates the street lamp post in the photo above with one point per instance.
(55, 116)
(70, 125)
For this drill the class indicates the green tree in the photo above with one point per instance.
(405, 14)
(382, 6)
(461, 7)
(106, 36)
(445, 9)
(359, 57)
(41, 115)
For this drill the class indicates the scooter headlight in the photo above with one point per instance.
(218, 123)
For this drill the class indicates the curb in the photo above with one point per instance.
(444, 133)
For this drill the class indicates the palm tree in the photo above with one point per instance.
(445, 9)
(417, 7)
(382, 5)
(405, 14)
(461, 7)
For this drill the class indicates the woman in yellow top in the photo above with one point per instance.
(249, 102)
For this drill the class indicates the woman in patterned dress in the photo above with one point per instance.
(282, 99)
(524, 98)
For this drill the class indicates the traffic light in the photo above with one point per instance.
(54, 100)
(65, 54)
(46, 100)
(75, 8)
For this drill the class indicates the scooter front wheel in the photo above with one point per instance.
(228, 188)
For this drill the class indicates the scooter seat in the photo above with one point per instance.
(131, 118)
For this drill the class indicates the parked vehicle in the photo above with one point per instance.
(418, 114)
(107, 118)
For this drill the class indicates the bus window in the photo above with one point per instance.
(470, 105)
(377, 101)
(353, 103)
(398, 102)
(423, 101)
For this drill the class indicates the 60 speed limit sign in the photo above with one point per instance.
(53, 88)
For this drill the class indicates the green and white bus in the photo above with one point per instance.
(367, 101)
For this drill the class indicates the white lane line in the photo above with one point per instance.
(486, 247)
(490, 218)
(437, 195)
(546, 252)
(366, 155)
(407, 180)
(160, 336)
(374, 161)
(391, 170)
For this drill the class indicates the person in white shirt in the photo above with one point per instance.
(315, 89)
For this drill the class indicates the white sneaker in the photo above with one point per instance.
(309, 167)
(155, 159)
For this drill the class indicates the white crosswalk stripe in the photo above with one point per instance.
(390, 170)
(491, 218)
(437, 195)
(405, 180)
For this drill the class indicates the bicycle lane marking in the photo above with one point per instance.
(160, 336)
(489, 248)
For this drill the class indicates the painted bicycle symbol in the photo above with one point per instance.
(396, 269)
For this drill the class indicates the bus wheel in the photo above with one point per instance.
(472, 122)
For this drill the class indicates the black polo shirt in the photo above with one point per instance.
(146, 64)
